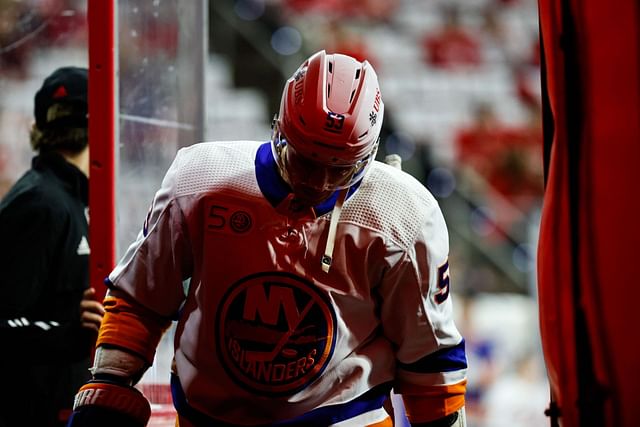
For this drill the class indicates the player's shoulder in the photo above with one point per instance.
(208, 166)
(391, 184)
(392, 202)
(216, 150)
(219, 157)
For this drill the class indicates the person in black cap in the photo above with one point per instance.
(48, 316)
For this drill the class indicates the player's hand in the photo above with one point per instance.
(91, 311)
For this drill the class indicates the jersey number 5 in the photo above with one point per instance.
(443, 283)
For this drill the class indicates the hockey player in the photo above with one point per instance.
(306, 278)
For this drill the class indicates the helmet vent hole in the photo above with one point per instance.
(328, 90)
(352, 95)
(363, 135)
(357, 73)
(331, 67)
(302, 120)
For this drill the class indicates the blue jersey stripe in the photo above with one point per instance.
(275, 189)
(445, 360)
(269, 180)
(320, 417)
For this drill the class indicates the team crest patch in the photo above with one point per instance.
(240, 221)
(227, 219)
(275, 333)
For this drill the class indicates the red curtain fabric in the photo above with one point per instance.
(587, 282)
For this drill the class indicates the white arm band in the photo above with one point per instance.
(114, 361)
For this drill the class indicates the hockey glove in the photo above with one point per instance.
(107, 401)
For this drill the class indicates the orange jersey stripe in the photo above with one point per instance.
(131, 326)
(424, 404)
(387, 422)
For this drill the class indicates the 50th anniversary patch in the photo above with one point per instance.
(275, 333)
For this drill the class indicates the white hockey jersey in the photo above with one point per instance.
(264, 335)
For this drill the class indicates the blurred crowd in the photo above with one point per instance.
(462, 89)
(463, 41)
(31, 31)
(28, 26)
(479, 61)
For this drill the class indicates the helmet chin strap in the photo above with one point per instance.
(333, 226)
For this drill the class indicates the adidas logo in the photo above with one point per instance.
(61, 92)
(83, 247)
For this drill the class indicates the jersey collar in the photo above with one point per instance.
(276, 190)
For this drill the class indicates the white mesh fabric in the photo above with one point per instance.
(214, 165)
(388, 201)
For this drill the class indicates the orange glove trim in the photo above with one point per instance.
(424, 404)
(131, 326)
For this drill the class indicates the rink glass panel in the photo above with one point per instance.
(160, 52)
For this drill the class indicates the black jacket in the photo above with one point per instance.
(44, 263)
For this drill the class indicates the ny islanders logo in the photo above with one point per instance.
(275, 333)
